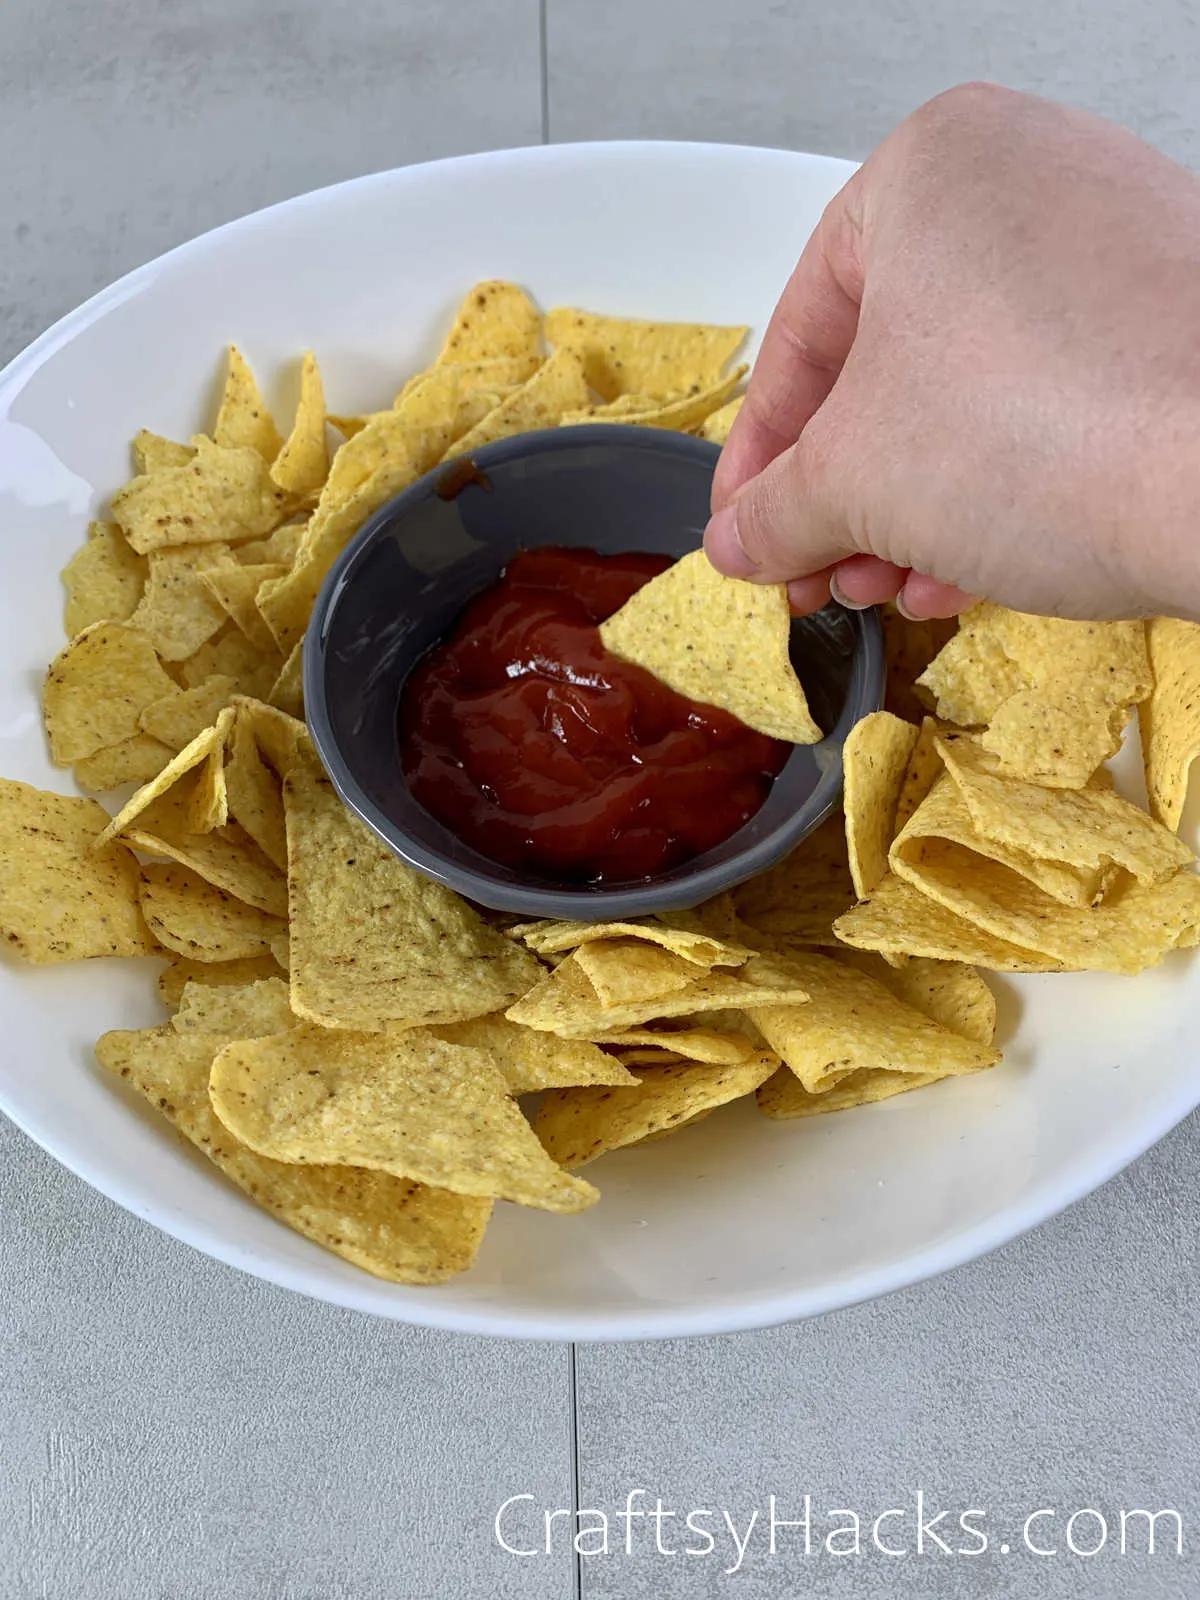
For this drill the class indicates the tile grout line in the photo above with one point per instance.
(573, 1405)
(544, 92)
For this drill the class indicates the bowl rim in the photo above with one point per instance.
(695, 881)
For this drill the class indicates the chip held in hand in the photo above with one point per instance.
(718, 640)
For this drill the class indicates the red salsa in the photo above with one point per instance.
(541, 750)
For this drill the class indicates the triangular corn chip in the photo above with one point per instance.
(404, 1102)
(302, 464)
(621, 355)
(717, 640)
(61, 899)
(875, 758)
(98, 687)
(104, 580)
(396, 1229)
(531, 1061)
(496, 321)
(373, 942)
(243, 420)
(577, 1125)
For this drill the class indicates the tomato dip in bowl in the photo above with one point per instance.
(464, 706)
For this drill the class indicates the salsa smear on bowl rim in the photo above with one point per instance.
(545, 752)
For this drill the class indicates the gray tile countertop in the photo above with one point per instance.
(171, 1430)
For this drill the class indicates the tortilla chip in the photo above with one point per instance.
(177, 612)
(431, 414)
(178, 718)
(282, 740)
(243, 420)
(1134, 928)
(924, 765)
(1057, 740)
(717, 640)
(1088, 829)
(973, 675)
(104, 580)
(875, 756)
(496, 321)
(625, 972)
(565, 1003)
(683, 414)
(496, 375)
(286, 602)
(237, 1011)
(910, 647)
(899, 920)
(255, 792)
(373, 942)
(703, 949)
(227, 859)
(948, 992)
(806, 892)
(233, 590)
(1170, 719)
(623, 356)
(229, 654)
(208, 802)
(401, 1231)
(61, 899)
(716, 918)
(998, 653)
(190, 757)
(716, 427)
(220, 497)
(1109, 658)
(237, 974)
(678, 1127)
(533, 1061)
(404, 1102)
(151, 452)
(417, 431)
(556, 387)
(853, 1023)
(97, 688)
(302, 465)
(639, 1055)
(688, 1044)
(783, 1097)
(135, 760)
(200, 921)
(279, 549)
(577, 1125)
(287, 692)
(944, 815)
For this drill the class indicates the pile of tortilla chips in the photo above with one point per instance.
(350, 1042)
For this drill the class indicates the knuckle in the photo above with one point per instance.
(975, 101)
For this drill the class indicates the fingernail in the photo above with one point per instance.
(909, 616)
(724, 547)
(835, 589)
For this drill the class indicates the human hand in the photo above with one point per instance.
(983, 378)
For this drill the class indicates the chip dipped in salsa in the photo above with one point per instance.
(543, 751)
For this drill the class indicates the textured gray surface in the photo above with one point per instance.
(169, 1429)
(835, 77)
(1059, 1372)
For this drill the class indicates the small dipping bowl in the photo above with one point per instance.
(418, 562)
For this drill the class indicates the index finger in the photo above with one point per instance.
(806, 343)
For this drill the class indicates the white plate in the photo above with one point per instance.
(734, 1224)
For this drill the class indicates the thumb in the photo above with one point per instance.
(781, 524)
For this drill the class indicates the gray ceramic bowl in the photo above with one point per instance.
(416, 564)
